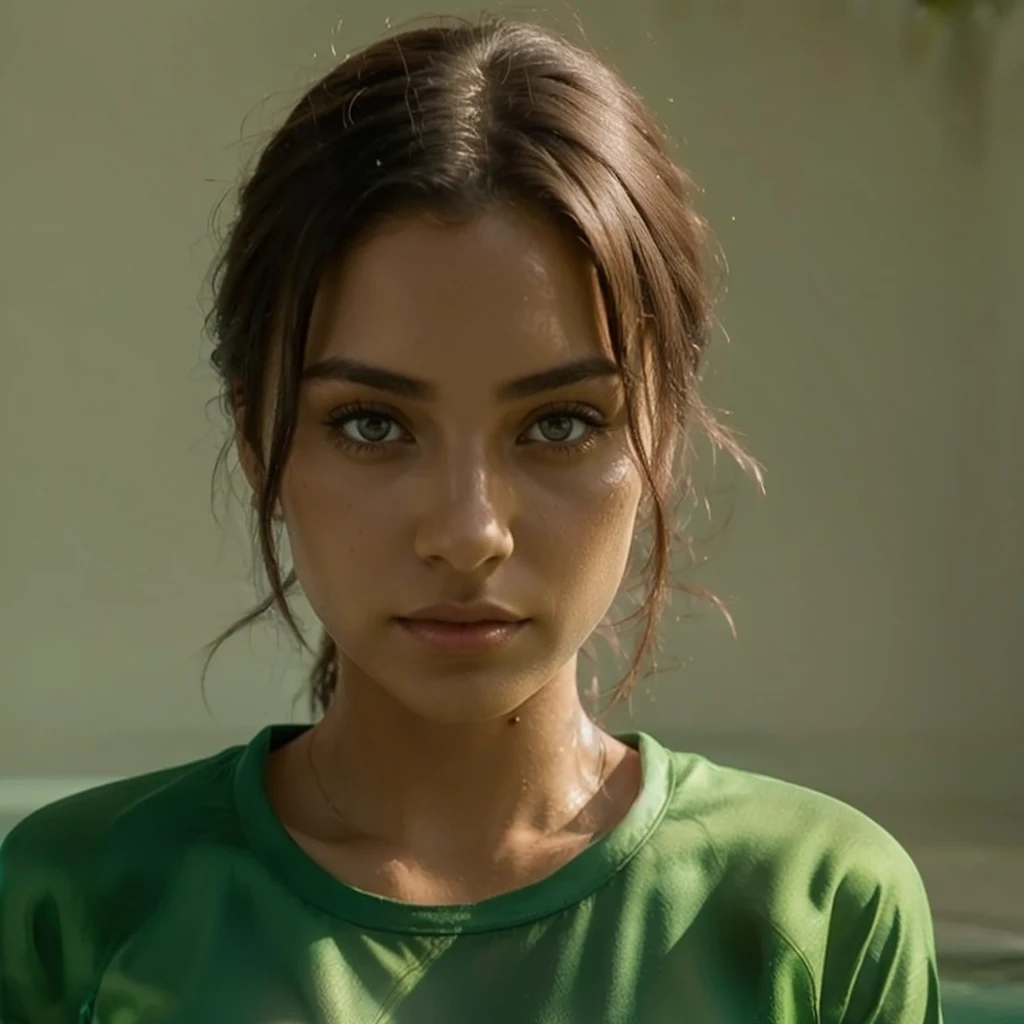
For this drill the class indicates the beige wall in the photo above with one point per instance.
(876, 366)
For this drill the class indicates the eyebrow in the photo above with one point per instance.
(341, 368)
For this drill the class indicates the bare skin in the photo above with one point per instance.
(455, 779)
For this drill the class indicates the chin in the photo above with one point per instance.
(463, 700)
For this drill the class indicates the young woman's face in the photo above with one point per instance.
(460, 488)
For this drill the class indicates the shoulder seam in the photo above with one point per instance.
(782, 934)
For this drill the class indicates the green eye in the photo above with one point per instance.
(374, 441)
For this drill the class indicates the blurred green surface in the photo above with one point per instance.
(983, 1002)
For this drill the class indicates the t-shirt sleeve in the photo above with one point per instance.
(46, 950)
(880, 963)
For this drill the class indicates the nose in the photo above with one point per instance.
(466, 521)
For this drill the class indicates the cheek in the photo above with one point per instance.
(335, 531)
(614, 494)
(595, 521)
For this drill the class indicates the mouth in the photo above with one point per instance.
(462, 638)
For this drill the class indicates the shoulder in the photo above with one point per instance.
(832, 883)
(79, 827)
(72, 871)
(773, 828)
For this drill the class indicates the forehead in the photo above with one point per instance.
(507, 291)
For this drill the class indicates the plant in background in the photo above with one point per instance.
(967, 31)
(975, 8)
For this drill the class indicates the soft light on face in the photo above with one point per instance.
(462, 492)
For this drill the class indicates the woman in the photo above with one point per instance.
(459, 322)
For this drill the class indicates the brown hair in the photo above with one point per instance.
(450, 119)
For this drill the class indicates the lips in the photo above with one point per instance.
(466, 612)
(462, 638)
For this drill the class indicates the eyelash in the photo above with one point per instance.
(361, 410)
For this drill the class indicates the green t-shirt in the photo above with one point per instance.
(723, 897)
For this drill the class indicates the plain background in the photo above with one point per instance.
(876, 367)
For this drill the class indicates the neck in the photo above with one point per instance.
(465, 788)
